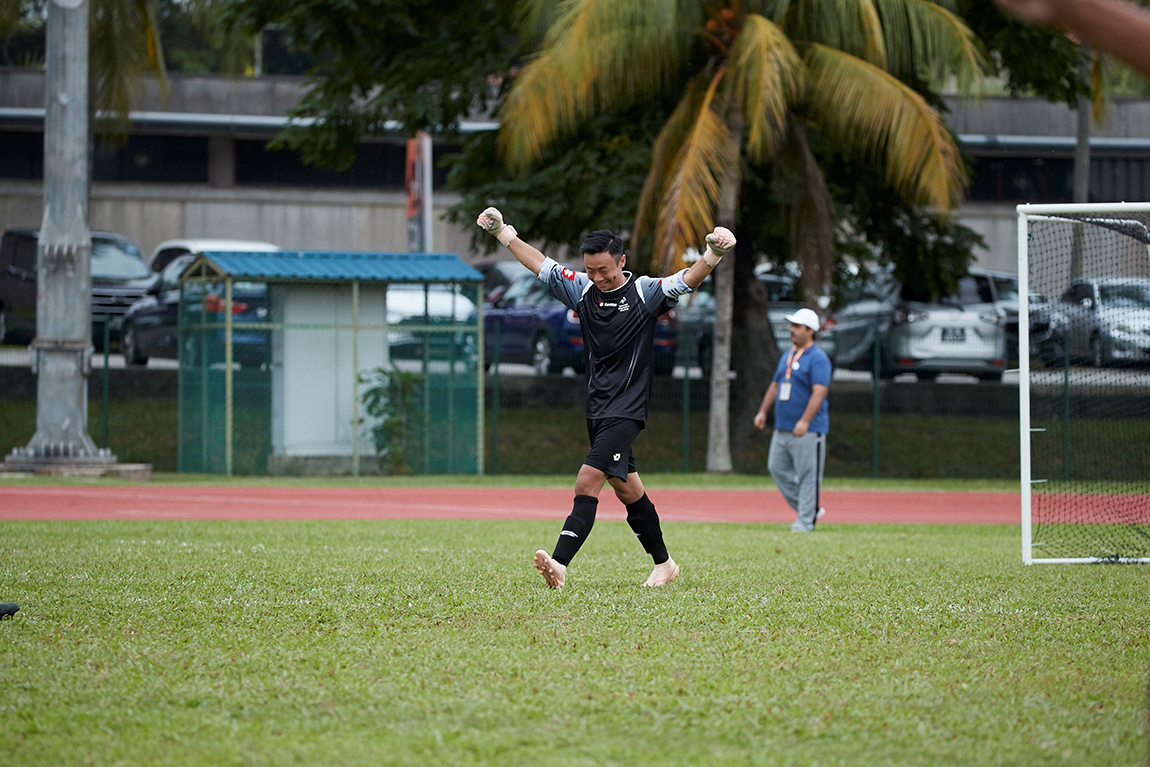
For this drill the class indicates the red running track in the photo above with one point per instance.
(174, 502)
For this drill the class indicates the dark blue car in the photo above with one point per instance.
(151, 324)
(535, 328)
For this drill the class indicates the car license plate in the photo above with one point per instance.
(953, 335)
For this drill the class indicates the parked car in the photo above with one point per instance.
(500, 273)
(696, 313)
(537, 329)
(444, 305)
(120, 275)
(961, 333)
(151, 323)
(1104, 321)
(169, 250)
(1046, 326)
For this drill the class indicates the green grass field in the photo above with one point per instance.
(434, 642)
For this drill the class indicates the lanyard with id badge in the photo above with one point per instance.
(792, 364)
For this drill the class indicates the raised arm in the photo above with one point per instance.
(1115, 26)
(719, 244)
(491, 221)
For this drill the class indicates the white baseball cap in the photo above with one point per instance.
(805, 317)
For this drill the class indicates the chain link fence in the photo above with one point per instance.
(884, 422)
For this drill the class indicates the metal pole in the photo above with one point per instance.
(495, 400)
(480, 431)
(426, 386)
(1081, 188)
(876, 400)
(1024, 424)
(355, 377)
(451, 391)
(426, 211)
(1066, 410)
(107, 343)
(687, 360)
(180, 416)
(205, 379)
(61, 353)
(229, 378)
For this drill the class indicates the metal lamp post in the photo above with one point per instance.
(62, 351)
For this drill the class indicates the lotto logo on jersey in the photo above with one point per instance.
(568, 273)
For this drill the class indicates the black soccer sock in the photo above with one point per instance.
(576, 528)
(644, 522)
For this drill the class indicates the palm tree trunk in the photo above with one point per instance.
(719, 427)
(754, 351)
(811, 224)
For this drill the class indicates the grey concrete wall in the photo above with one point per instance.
(271, 95)
(294, 219)
(276, 94)
(320, 220)
(1002, 115)
(998, 224)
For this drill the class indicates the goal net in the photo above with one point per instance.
(1084, 385)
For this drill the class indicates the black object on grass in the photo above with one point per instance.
(8, 608)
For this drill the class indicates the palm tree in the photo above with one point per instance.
(124, 48)
(759, 73)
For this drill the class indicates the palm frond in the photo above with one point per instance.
(534, 17)
(874, 116)
(686, 211)
(667, 145)
(853, 26)
(924, 38)
(125, 48)
(597, 56)
(764, 73)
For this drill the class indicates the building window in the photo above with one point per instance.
(1119, 179)
(22, 156)
(166, 159)
(377, 165)
(1051, 179)
(1022, 179)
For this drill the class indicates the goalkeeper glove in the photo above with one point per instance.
(491, 220)
(719, 244)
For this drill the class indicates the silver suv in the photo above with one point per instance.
(961, 333)
(1106, 320)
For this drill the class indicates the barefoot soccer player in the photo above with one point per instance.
(617, 315)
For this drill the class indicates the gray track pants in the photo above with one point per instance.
(796, 465)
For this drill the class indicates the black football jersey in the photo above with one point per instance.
(618, 335)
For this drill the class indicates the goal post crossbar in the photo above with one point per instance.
(1033, 209)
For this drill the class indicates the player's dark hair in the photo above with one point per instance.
(603, 241)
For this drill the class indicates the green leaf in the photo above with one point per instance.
(765, 75)
(873, 115)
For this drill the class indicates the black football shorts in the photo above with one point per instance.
(611, 440)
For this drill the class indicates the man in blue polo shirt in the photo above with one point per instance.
(799, 443)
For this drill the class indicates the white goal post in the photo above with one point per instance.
(1084, 382)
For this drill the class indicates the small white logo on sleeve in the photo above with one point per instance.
(617, 456)
(569, 534)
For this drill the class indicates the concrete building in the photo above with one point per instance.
(197, 166)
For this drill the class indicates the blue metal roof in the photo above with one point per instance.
(345, 265)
